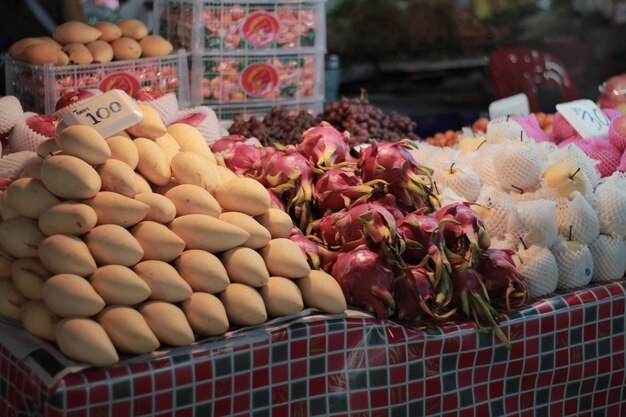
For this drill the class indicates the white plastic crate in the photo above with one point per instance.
(245, 80)
(249, 26)
(227, 112)
(39, 87)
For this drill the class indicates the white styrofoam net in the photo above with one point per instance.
(539, 220)
(461, 179)
(484, 163)
(577, 157)
(609, 258)
(505, 129)
(539, 269)
(580, 216)
(575, 266)
(611, 204)
(11, 165)
(10, 113)
(22, 137)
(518, 165)
(495, 211)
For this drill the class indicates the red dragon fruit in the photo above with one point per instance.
(339, 188)
(245, 160)
(392, 163)
(414, 294)
(227, 143)
(502, 279)
(366, 281)
(388, 201)
(418, 232)
(467, 224)
(317, 255)
(324, 146)
(291, 177)
(275, 201)
(470, 296)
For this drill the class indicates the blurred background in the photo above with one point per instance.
(429, 59)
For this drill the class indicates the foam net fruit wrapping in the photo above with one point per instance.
(577, 157)
(611, 205)
(578, 215)
(461, 179)
(23, 138)
(166, 106)
(561, 128)
(615, 138)
(548, 151)
(602, 150)
(448, 196)
(539, 219)
(539, 269)
(506, 242)
(12, 165)
(10, 113)
(543, 193)
(575, 266)
(609, 258)
(518, 166)
(504, 129)
(484, 164)
(495, 209)
(622, 163)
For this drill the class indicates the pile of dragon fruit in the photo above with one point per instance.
(374, 221)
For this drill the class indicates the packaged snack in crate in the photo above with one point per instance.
(257, 79)
(245, 26)
(39, 87)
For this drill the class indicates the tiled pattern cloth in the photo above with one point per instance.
(567, 360)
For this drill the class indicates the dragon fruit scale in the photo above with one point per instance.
(338, 188)
(244, 159)
(414, 294)
(324, 146)
(366, 281)
(502, 278)
(410, 182)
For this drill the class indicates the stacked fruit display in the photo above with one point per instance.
(377, 226)
(550, 204)
(139, 240)
(81, 44)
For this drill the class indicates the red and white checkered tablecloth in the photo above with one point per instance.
(567, 359)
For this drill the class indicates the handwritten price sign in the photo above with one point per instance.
(586, 118)
(108, 113)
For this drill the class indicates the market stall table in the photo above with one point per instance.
(567, 358)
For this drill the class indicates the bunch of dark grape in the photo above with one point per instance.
(277, 125)
(365, 121)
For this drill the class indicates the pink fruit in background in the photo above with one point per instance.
(561, 128)
(44, 125)
(617, 133)
(193, 119)
(603, 151)
(622, 163)
(147, 94)
(73, 97)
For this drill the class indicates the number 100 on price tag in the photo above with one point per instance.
(108, 113)
(585, 117)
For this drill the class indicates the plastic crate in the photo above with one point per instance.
(228, 111)
(257, 79)
(39, 87)
(249, 26)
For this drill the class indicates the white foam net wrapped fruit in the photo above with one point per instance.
(11, 165)
(539, 219)
(578, 217)
(609, 258)
(575, 264)
(460, 178)
(495, 207)
(518, 166)
(611, 204)
(539, 269)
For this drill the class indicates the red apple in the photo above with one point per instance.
(44, 125)
(193, 119)
(147, 94)
(73, 97)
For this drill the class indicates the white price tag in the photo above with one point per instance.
(517, 105)
(108, 113)
(585, 117)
